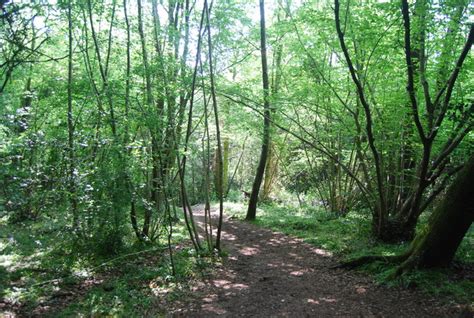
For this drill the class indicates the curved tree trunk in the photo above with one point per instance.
(436, 245)
(448, 224)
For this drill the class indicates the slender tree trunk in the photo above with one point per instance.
(127, 73)
(133, 213)
(70, 127)
(181, 163)
(141, 32)
(149, 102)
(218, 132)
(225, 165)
(380, 213)
(206, 149)
(183, 96)
(103, 67)
(252, 209)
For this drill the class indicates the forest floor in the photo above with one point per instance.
(268, 274)
(263, 273)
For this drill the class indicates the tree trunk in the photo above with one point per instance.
(436, 246)
(225, 165)
(271, 171)
(218, 131)
(149, 102)
(70, 126)
(252, 209)
(380, 211)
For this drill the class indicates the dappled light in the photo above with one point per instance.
(270, 272)
(249, 251)
(321, 252)
(228, 285)
(236, 158)
(299, 272)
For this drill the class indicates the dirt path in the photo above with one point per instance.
(270, 274)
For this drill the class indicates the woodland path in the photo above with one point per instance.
(269, 274)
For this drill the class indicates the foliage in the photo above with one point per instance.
(114, 117)
(40, 263)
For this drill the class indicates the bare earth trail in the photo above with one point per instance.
(270, 274)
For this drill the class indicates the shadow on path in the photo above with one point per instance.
(270, 274)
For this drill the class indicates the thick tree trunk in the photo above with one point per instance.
(252, 209)
(436, 246)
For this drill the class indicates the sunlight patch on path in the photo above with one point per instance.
(248, 251)
(321, 252)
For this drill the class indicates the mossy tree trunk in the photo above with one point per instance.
(436, 246)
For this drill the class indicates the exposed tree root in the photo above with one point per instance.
(407, 265)
(407, 262)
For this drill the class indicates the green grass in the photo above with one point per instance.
(349, 237)
(138, 288)
(41, 259)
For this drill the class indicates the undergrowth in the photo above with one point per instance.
(349, 237)
(42, 265)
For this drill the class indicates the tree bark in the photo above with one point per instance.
(70, 127)
(218, 132)
(437, 245)
(271, 168)
(149, 94)
(149, 102)
(380, 213)
(252, 209)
